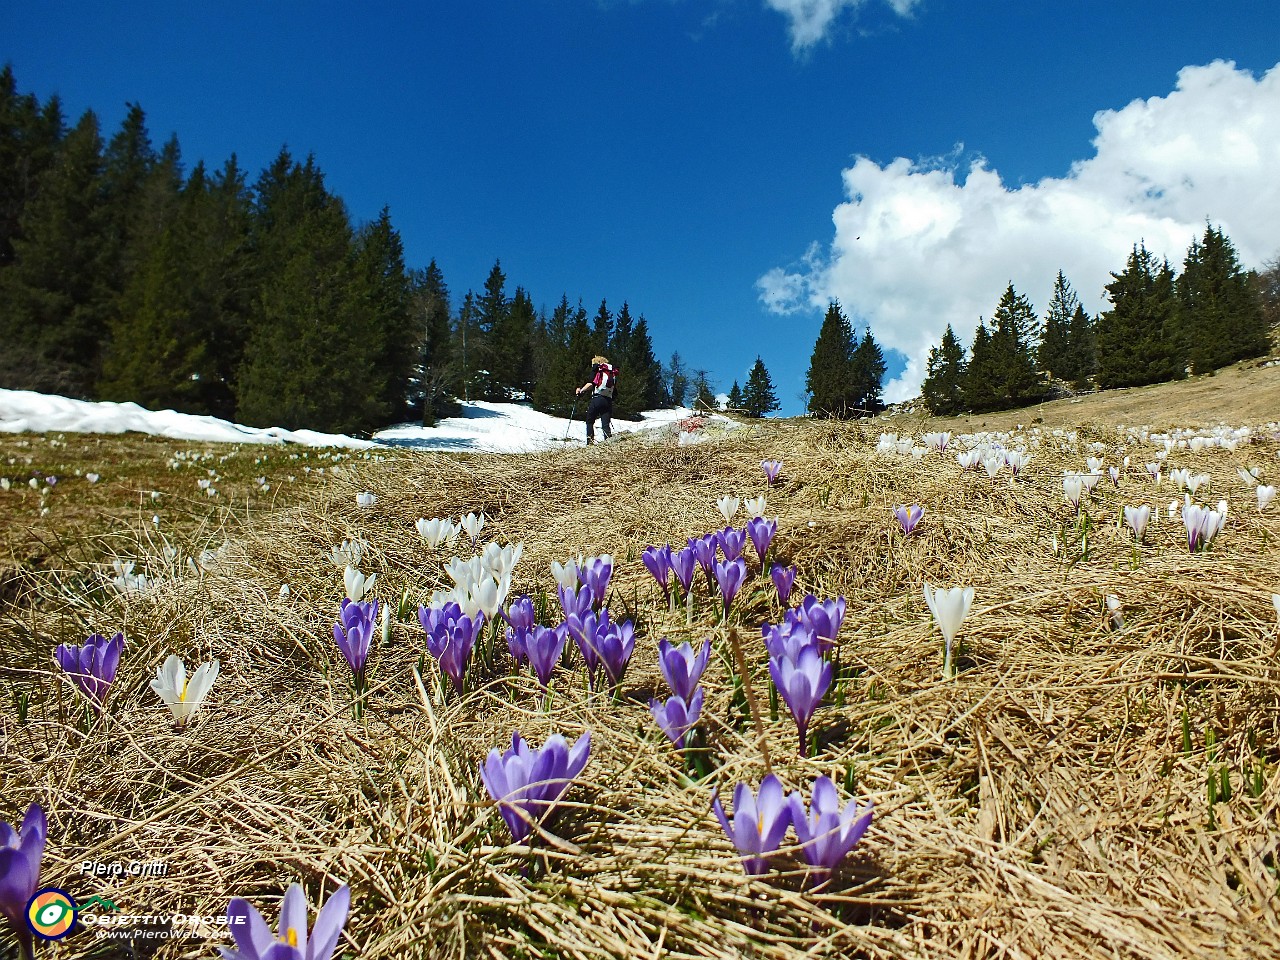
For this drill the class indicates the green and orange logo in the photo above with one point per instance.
(51, 913)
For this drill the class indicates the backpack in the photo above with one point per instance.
(608, 380)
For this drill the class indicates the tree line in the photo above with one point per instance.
(1159, 326)
(125, 277)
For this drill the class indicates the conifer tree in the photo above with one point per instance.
(313, 349)
(601, 329)
(436, 377)
(513, 348)
(1220, 313)
(944, 383)
(677, 377)
(640, 367)
(556, 370)
(981, 374)
(829, 379)
(1082, 348)
(491, 314)
(1014, 327)
(57, 292)
(867, 369)
(467, 347)
(1053, 354)
(384, 289)
(735, 397)
(29, 139)
(759, 397)
(1137, 338)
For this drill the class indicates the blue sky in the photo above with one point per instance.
(726, 166)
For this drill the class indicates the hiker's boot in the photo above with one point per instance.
(590, 441)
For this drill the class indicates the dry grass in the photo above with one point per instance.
(1044, 804)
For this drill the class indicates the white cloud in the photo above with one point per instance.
(920, 245)
(811, 19)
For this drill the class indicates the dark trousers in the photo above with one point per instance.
(602, 407)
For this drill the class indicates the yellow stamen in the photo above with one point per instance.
(182, 694)
(290, 937)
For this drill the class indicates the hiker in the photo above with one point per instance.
(603, 380)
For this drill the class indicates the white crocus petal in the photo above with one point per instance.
(486, 597)
(1275, 602)
(473, 523)
(357, 584)
(949, 608)
(1116, 610)
(198, 688)
(755, 506)
(728, 506)
(1265, 495)
(1249, 478)
(284, 591)
(566, 574)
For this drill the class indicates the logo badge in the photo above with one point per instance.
(51, 913)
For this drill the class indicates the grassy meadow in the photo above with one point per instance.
(1053, 800)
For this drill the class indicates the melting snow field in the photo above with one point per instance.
(482, 427)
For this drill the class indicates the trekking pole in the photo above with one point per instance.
(568, 426)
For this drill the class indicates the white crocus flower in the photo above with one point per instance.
(356, 583)
(284, 591)
(993, 465)
(1095, 464)
(365, 499)
(949, 608)
(1179, 476)
(472, 524)
(1116, 610)
(1073, 489)
(566, 574)
(1136, 518)
(436, 531)
(183, 695)
(1248, 477)
(755, 507)
(728, 506)
(1265, 495)
(1196, 481)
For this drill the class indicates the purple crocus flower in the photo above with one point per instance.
(521, 613)
(732, 541)
(908, 517)
(20, 853)
(758, 824)
(684, 563)
(583, 627)
(827, 833)
(658, 562)
(527, 783)
(771, 470)
(518, 644)
(787, 639)
(730, 576)
(676, 717)
(92, 667)
(705, 548)
(254, 940)
(615, 642)
(783, 578)
(450, 639)
(354, 633)
(681, 667)
(575, 603)
(823, 617)
(802, 683)
(544, 646)
(594, 574)
(761, 532)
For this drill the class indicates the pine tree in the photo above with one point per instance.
(491, 315)
(1137, 338)
(677, 378)
(313, 347)
(759, 398)
(981, 374)
(513, 347)
(944, 383)
(57, 293)
(829, 379)
(556, 371)
(867, 369)
(384, 290)
(1014, 328)
(1054, 352)
(641, 367)
(735, 397)
(1220, 313)
(1082, 348)
(435, 376)
(601, 329)
(29, 139)
(467, 339)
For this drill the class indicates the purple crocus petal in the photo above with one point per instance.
(109, 658)
(518, 644)
(657, 561)
(684, 564)
(824, 617)
(758, 826)
(329, 924)
(908, 517)
(293, 918)
(826, 833)
(705, 548)
(521, 613)
(68, 658)
(594, 574)
(732, 542)
(802, 683)
(544, 646)
(783, 578)
(17, 885)
(677, 717)
(681, 667)
(527, 783)
(576, 602)
(787, 639)
(616, 643)
(761, 532)
(282, 951)
(248, 929)
(730, 576)
(354, 632)
(771, 470)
